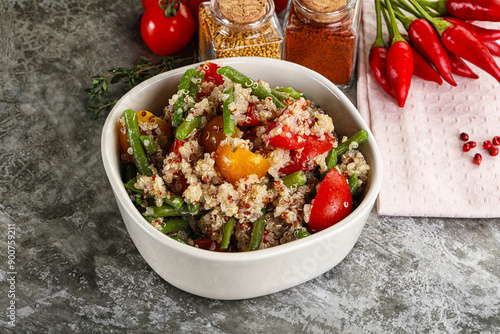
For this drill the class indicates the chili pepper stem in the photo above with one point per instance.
(397, 37)
(379, 40)
(438, 23)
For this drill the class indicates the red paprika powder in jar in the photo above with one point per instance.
(322, 35)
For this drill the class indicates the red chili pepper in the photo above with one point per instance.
(464, 44)
(481, 10)
(378, 57)
(426, 40)
(399, 61)
(400, 69)
(493, 47)
(378, 65)
(481, 33)
(459, 67)
(423, 69)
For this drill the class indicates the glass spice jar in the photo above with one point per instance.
(324, 41)
(224, 34)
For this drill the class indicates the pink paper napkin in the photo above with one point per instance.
(426, 172)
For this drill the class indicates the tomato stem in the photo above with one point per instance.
(169, 8)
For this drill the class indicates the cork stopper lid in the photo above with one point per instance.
(323, 6)
(243, 11)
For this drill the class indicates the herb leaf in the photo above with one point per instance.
(146, 69)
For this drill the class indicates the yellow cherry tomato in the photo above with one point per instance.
(240, 163)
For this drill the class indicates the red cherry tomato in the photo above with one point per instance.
(333, 202)
(315, 147)
(165, 35)
(211, 75)
(312, 149)
(280, 5)
(251, 118)
(287, 139)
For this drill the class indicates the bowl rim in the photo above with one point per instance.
(120, 192)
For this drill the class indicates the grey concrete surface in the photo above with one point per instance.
(74, 269)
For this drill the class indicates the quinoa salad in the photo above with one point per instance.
(234, 165)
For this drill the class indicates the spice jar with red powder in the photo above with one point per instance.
(239, 28)
(323, 35)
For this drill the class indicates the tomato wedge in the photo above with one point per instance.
(333, 202)
(313, 147)
(287, 139)
(251, 119)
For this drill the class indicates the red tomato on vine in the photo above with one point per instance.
(166, 27)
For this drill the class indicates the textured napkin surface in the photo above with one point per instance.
(426, 172)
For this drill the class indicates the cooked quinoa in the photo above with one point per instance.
(278, 140)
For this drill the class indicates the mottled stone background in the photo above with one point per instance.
(79, 272)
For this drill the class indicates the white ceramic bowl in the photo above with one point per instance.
(251, 274)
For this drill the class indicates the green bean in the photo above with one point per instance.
(173, 200)
(257, 89)
(185, 129)
(257, 231)
(353, 183)
(164, 211)
(299, 234)
(180, 105)
(149, 144)
(133, 136)
(195, 84)
(279, 94)
(169, 211)
(227, 115)
(291, 92)
(294, 180)
(178, 238)
(332, 157)
(174, 225)
(228, 232)
(359, 137)
(193, 207)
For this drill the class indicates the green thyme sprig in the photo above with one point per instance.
(146, 69)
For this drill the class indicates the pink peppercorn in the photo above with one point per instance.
(464, 136)
(493, 151)
(477, 159)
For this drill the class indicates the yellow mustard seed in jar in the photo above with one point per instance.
(239, 28)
